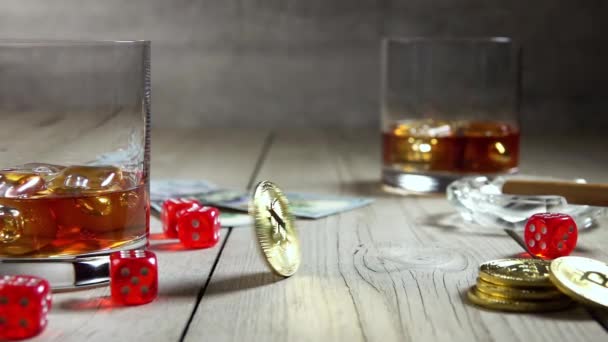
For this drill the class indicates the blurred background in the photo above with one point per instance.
(315, 63)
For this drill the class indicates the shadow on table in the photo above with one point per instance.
(373, 188)
(157, 236)
(451, 222)
(573, 313)
(93, 304)
(170, 246)
(223, 285)
(241, 282)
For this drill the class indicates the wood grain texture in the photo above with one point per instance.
(397, 270)
(88, 315)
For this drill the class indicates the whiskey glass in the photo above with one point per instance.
(449, 108)
(74, 156)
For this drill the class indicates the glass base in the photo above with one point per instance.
(404, 183)
(69, 272)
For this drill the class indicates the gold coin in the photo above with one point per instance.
(583, 279)
(274, 229)
(525, 293)
(504, 304)
(516, 272)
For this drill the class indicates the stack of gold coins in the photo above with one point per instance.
(520, 285)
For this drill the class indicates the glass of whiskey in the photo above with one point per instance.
(449, 108)
(75, 156)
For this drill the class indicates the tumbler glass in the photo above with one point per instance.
(449, 108)
(74, 156)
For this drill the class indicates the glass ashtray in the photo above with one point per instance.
(480, 199)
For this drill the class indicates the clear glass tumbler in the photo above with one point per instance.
(74, 156)
(449, 108)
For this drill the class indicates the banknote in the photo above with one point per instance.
(303, 205)
(164, 188)
(228, 218)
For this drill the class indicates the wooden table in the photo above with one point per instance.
(397, 270)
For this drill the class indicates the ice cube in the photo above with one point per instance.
(21, 184)
(43, 169)
(97, 205)
(102, 213)
(427, 128)
(487, 129)
(11, 224)
(25, 226)
(87, 180)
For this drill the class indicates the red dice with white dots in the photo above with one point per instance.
(133, 277)
(169, 212)
(25, 302)
(198, 227)
(550, 235)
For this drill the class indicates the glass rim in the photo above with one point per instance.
(68, 42)
(431, 39)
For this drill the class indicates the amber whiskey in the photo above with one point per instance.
(451, 147)
(51, 210)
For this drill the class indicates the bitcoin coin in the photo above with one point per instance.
(583, 279)
(516, 272)
(274, 229)
(525, 293)
(504, 304)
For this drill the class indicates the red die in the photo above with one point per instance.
(551, 235)
(169, 211)
(198, 227)
(24, 305)
(133, 277)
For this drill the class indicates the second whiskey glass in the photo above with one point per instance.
(449, 108)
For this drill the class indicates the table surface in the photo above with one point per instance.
(397, 270)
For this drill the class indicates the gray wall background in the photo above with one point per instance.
(316, 62)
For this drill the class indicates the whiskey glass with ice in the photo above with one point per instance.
(449, 108)
(74, 156)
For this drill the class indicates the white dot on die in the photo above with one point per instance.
(532, 228)
(544, 229)
(543, 245)
(531, 243)
(125, 272)
(560, 245)
(537, 237)
(195, 236)
(134, 280)
(195, 223)
(571, 229)
(144, 271)
(144, 289)
(565, 237)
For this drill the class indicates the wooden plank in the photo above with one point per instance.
(397, 270)
(89, 314)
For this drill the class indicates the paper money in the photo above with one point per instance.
(303, 205)
(165, 188)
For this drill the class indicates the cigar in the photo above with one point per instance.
(574, 193)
